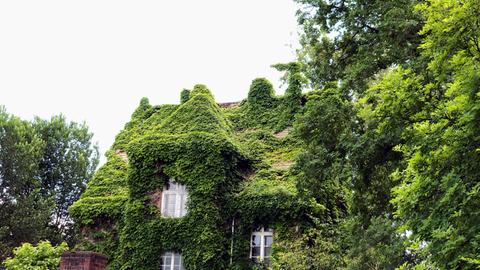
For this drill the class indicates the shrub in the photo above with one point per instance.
(44, 256)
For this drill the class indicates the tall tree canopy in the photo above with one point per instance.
(24, 211)
(68, 161)
(44, 166)
(350, 40)
(409, 71)
(439, 197)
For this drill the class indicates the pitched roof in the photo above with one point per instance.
(199, 114)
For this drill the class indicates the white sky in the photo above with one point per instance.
(93, 60)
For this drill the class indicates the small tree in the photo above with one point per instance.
(42, 257)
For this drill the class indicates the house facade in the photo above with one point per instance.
(194, 186)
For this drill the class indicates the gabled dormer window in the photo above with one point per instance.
(261, 245)
(174, 200)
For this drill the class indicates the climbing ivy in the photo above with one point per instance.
(234, 162)
(261, 94)
(184, 96)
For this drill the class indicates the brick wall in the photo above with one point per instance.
(83, 260)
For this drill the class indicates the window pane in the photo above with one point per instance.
(166, 201)
(174, 200)
(170, 203)
(171, 261)
(256, 240)
(256, 247)
(177, 259)
(167, 261)
(255, 252)
(268, 241)
(267, 250)
(183, 205)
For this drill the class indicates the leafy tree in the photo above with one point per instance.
(322, 178)
(44, 256)
(324, 129)
(346, 167)
(376, 246)
(351, 40)
(68, 161)
(352, 43)
(24, 211)
(44, 166)
(439, 196)
(316, 248)
(434, 113)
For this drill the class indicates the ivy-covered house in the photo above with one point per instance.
(198, 185)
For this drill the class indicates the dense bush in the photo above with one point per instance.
(44, 256)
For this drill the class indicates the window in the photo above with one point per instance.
(261, 245)
(172, 261)
(174, 200)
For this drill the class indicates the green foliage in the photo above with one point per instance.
(261, 94)
(427, 121)
(350, 41)
(378, 246)
(23, 210)
(392, 123)
(206, 164)
(144, 118)
(353, 145)
(321, 170)
(405, 118)
(68, 162)
(264, 111)
(192, 146)
(260, 111)
(184, 96)
(44, 166)
(232, 172)
(200, 89)
(292, 101)
(438, 197)
(312, 249)
(199, 114)
(106, 194)
(266, 198)
(44, 256)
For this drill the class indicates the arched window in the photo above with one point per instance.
(172, 261)
(174, 200)
(261, 245)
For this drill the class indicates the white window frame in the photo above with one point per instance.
(260, 233)
(172, 265)
(180, 193)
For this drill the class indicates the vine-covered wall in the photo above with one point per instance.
(234, 162)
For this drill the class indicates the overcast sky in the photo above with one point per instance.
(93, 60)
